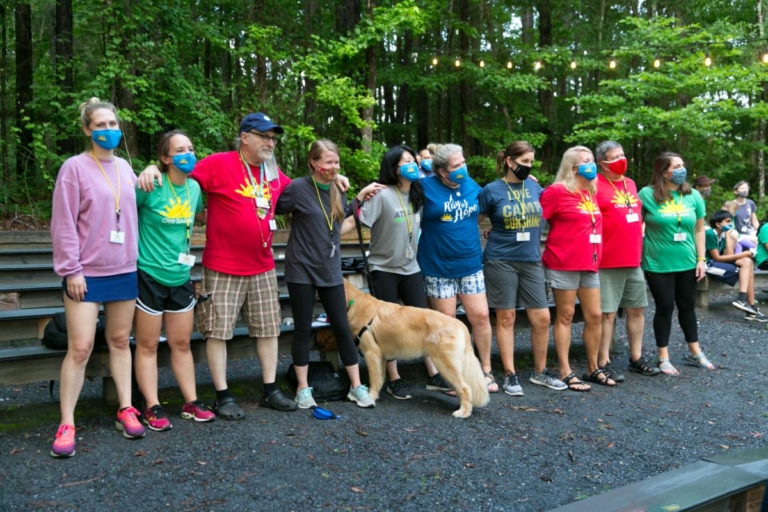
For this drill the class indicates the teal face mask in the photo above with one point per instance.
(426, 164)
(588, 171)
(460, 175)
(185, 163)
(410, 171)
(107, 139)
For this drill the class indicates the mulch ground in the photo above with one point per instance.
(534, 452)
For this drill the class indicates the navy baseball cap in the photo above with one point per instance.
(259, 122)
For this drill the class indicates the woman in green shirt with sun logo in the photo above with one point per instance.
(166, 293)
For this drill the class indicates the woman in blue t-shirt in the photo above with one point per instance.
(450, 255)
(513, 270)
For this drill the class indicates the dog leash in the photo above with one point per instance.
(356, 214)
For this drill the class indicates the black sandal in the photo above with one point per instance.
(595, 378)
(571, 381)
(642, 367)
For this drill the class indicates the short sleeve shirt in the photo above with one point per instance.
(762, 239)
(713, 241)
(164, 215)
(622, 223)
(743, 217)
(394, 228)
(513, 208)
(313, 255)
(573, 218)
(449, 245)
(661, 253)
(238, 235)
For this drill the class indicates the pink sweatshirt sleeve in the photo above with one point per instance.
(66, 209)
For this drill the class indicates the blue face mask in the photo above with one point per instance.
(410, 171)
(726, 227)
(588, 171)
(107, 139)
(460, 175)
(427, 165)
(678, 176)
(185, 163)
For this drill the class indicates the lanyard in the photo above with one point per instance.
(327, 219)
(116, 195)
(626, 192)
(520, 200)
(189, 203)
(679, 208)
(257, 189)
(408, 220)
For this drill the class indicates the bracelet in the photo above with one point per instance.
(701, 259)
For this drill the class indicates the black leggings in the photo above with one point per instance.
(390, 287)
(668, 289)
(334, 301)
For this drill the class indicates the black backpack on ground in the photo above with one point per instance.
(55, 333)
(328, 386)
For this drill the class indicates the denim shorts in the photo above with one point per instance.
(448, 287)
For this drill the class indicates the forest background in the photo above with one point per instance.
(370, 74)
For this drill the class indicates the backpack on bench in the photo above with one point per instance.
(328, 386)
(55, 333)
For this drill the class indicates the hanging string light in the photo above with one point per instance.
(573, 64)
(657, 62)
(434, 61)
(537, 65)
(765, 57)
(509, 64)
(458, 62)
(707, 59)
(612, 63)
(482, 63)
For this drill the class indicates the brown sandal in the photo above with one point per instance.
(491, 382)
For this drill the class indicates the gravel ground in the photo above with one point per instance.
(535, 452)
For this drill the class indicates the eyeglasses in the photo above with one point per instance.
(266, 139)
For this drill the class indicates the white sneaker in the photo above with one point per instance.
(360, 395)
(304, 399)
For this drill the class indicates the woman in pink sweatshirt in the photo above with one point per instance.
(94, 230)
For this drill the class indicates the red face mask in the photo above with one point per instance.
(618, 166)
(327, 174)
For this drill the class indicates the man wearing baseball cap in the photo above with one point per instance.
(704, 185)
(243, 187)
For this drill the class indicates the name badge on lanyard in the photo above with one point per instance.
(262, 203)
(595, 238)
(632, 217)
(117, 237)
(680, 237)
(187, 259)
(523, 237)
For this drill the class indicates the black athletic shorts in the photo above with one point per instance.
(156, 299)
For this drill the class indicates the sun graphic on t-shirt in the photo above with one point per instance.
(177, 210)
(446, 218)
(247, 190)
(672, 207)
(588, 206)
(623, 198)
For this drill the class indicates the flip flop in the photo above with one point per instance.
(572, 380)
(666, 367)
(227, 409)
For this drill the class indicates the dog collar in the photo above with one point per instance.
(350, 304)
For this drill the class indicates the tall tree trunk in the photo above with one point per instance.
(761, 123)
(546, 96)
(261, 61)
(311, 13)
(124, 97)
(370, 84)
(24, 77)
(465, 91)
(63, 62)
(4, 141)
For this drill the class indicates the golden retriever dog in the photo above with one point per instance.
(401, 332)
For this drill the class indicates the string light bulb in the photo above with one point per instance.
(509, 64)
(537, 65)
(657, 62)
(482, 63)
(434, 61)
(765, 57)
(707, 60)
(612, 63)
(458, 62)
(573, 64)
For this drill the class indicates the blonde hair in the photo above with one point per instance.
(730, 206)
(90, 106)
(565, 172)
(315, 152)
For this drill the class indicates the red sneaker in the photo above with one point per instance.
(155, 419)
(197, 411)
(128, 423)
(64, 445)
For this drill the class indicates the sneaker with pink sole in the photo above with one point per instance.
(198, 411)
(128, 423)
(64, 444)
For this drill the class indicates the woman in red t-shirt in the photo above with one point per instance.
(571, 259)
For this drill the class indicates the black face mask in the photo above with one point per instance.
(522, 171)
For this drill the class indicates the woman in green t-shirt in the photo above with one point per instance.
(674, 255)
(166, 294)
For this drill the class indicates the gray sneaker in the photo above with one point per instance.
(360, 395)
(304, 399)
(548, 380)
(511, 386)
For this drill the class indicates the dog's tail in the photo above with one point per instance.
(473, 373)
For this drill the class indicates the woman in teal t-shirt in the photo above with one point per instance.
(674, 255)
(166, 294)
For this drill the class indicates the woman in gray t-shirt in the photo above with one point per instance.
(394, 217)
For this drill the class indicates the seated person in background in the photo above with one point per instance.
(729, 267)
(741, 245)
(761, 257)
